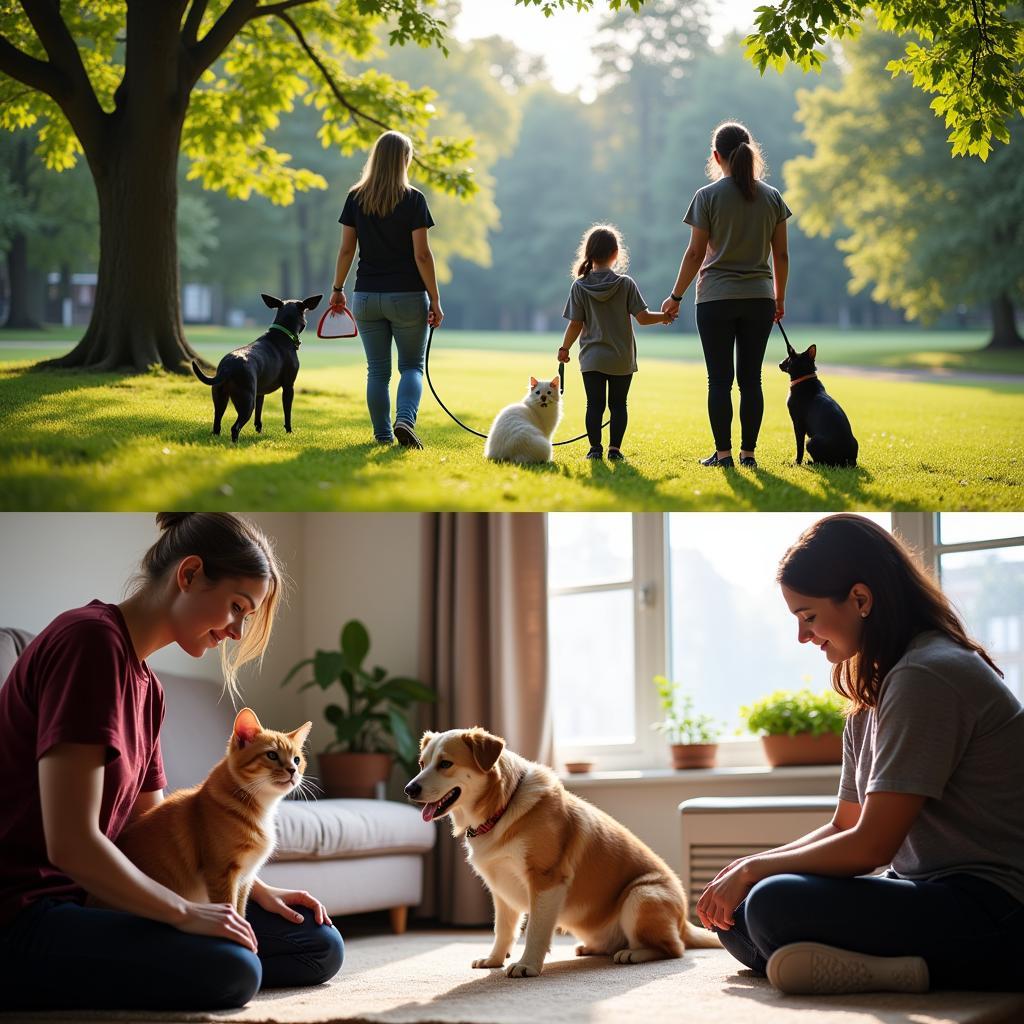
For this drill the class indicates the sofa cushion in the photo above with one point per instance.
(12, 643)
(324, 829)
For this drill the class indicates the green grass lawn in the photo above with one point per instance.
(905, 348)
(76, 441)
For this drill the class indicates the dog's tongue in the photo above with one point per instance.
(429, 809)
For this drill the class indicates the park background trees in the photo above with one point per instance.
(256, 195)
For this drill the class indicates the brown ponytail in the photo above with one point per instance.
(735, 145)
(597, 246)
(845, 549)
(231, 548)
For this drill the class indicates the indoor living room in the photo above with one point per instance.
(648, 660)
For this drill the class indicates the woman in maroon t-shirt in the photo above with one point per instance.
(84, 708)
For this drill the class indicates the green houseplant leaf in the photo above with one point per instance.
(682, 724)
(372, 717)
(791, 712)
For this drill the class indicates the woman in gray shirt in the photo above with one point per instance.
(736, 222)
(932, 789)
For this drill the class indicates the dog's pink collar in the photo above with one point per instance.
(800, 380)
(472, 833)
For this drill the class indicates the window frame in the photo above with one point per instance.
(652, 637)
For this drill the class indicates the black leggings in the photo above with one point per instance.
(745, 323)
(618, 387)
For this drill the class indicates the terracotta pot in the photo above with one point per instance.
(353, 775)
(803, 749)
(693, 755)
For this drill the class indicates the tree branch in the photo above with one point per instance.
(190, 31)
(339, 95)
(30, 71)
(60, 47)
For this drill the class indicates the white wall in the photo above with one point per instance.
(342, 565)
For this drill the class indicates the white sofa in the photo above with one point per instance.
(354, 855)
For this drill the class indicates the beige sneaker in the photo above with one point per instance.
(810, 968)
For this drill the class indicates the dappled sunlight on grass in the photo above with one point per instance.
(75, 441)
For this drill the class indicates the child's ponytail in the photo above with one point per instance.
(598, 245)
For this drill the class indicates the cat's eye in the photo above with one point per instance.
(272, 754)
(295, 760)
(536, 392)
(444, 764)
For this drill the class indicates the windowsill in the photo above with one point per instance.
(705, 776)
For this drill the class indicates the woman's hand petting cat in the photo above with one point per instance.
(220, 920)
(281, 901)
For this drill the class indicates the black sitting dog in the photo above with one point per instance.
(270, 362)
(816, 414)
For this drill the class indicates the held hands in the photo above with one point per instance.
(281, 901)
(671, 308)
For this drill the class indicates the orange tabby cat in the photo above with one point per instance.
(207, 843)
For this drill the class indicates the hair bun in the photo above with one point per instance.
(169, 520)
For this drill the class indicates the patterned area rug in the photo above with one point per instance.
(424, 977)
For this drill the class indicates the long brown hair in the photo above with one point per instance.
(596, 246)
(385, 178)
(231, 548)
(840, 551)
(734, 144)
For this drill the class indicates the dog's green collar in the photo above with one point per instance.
(291, 334)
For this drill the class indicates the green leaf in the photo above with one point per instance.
(414, 689)
(355, 643)
(302, 664)
(326, 667)
(404, 741)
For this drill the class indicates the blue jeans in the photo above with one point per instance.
(58, 955)
(970, 932)
(402, 316)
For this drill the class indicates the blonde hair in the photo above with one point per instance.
(231, 548)
(736, 146)
(596, 246)
(385, 178)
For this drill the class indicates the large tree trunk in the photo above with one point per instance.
(1004, 325)
(18, 277)
(136, 319)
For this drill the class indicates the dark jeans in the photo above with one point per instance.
(596, 384)
(969, 931)
(743, 324)
(65, 956)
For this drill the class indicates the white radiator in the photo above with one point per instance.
(717, 830)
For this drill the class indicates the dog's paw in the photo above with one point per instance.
(522, 970)
(637, 956)
(489, 961)
(582, 950)
(287, 430)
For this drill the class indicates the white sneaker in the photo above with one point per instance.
(810, 968)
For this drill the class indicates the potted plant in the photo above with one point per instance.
(371, 728)
(693, 738)
(798, 726)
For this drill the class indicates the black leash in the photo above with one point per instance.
(433, 391)
(785, 337)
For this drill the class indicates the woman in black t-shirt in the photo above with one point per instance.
(395, 293)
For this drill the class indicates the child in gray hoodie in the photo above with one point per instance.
(598, 309)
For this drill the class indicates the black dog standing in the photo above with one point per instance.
(245, 375)
(815, 414)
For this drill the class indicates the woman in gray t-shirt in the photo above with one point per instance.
(736, 223)
(932, 789)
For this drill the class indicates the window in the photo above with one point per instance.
(981, 566)
(692, 595)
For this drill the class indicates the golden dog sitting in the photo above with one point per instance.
(543, 851)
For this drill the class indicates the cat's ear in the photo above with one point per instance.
(533, 382)
(300, 734)
(554, 381)
(813, 351)
(247, 726)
